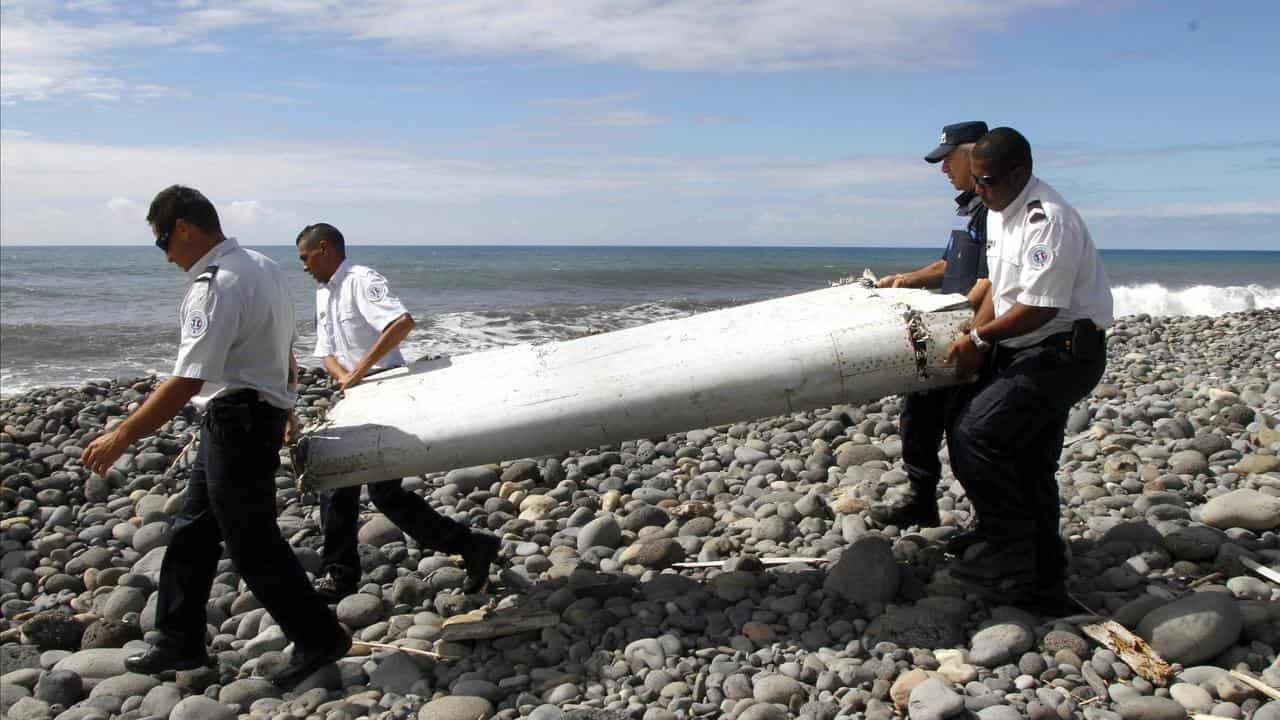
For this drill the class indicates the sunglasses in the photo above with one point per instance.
(162, 241)
(992, 180)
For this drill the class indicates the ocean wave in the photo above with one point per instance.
(1156, 299)
(40, 354)
(459, 333)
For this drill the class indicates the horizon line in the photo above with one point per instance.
(931, 248)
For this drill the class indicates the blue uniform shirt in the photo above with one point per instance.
(966, 253)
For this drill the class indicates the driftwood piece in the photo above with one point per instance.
(1130, 648)
(763, 561)
(1261, 569)
(385, 646)
(484, 625)
(1256, 684)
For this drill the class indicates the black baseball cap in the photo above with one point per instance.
(957, 134)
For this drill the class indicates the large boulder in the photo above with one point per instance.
(1194, 628)
(866, 572)
(1242, 508)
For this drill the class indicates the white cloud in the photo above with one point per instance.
(49, 50)
(270, 192)
(693, 34)
(1190, 210)
(621, 119)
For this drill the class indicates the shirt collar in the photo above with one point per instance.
(1023, 197)
(336, 278)
(967, 202)
(215, 252)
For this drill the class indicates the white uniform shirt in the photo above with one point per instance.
(352, 310)
(1040, 253)
(237, 326)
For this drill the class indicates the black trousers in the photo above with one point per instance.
(921, 424)
(1005, 436)
(231, 500)
(340, 510)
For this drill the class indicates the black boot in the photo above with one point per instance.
(998, 564)
(480, 551)
(965, 540)
(332, 587)
(306, 661)
(169, 654)
(920, 511)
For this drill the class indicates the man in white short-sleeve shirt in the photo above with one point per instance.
(1039, 346)
(235, 354)
(360, 324)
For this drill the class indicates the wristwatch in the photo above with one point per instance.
(977, 340)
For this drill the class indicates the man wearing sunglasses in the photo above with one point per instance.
(235, 360)
(1038, 346)
(359, 327)
(962, 265)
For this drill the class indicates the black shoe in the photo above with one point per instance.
(480, 552)
(331, 590)
(305, 662)
(1049, 599)
(965, 540)
(164, 658)
(1001, 566)
(920, 512)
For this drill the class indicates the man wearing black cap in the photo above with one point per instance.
(962, 264)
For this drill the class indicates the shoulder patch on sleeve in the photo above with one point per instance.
(1039, 256)
(196, 322)
(376, 291)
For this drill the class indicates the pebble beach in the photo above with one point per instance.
(1170, 487)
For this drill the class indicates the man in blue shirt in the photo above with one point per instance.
(961, 266)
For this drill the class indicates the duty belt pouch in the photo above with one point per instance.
(1086, 340)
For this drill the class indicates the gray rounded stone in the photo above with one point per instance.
(934, 700)
(160, 700)
(360, 610)
(1151, 708)
(123, 686)
(122, 601)
(60, 687)
(247, 691)
(602, 531)
(1244, 508)
(866, 572)
(775, 689)
(1194, 628)
(457, 707)
(379, 530)
(151, 536)
(995, 645)
(199, 707)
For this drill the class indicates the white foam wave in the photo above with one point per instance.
(1156, 299)
(460, 333)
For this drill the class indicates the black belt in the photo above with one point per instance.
(243, 395)
(1081, 341)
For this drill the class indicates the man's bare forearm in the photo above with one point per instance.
(929, 277)
(160, 407)
(334, 368)
(392, 335)
(1020, 320)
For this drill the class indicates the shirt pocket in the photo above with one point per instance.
(349, 313)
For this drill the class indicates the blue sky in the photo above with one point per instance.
(766, 122)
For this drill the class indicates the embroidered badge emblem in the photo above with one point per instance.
(376, 292)
(197, 323)
(1039, 256)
